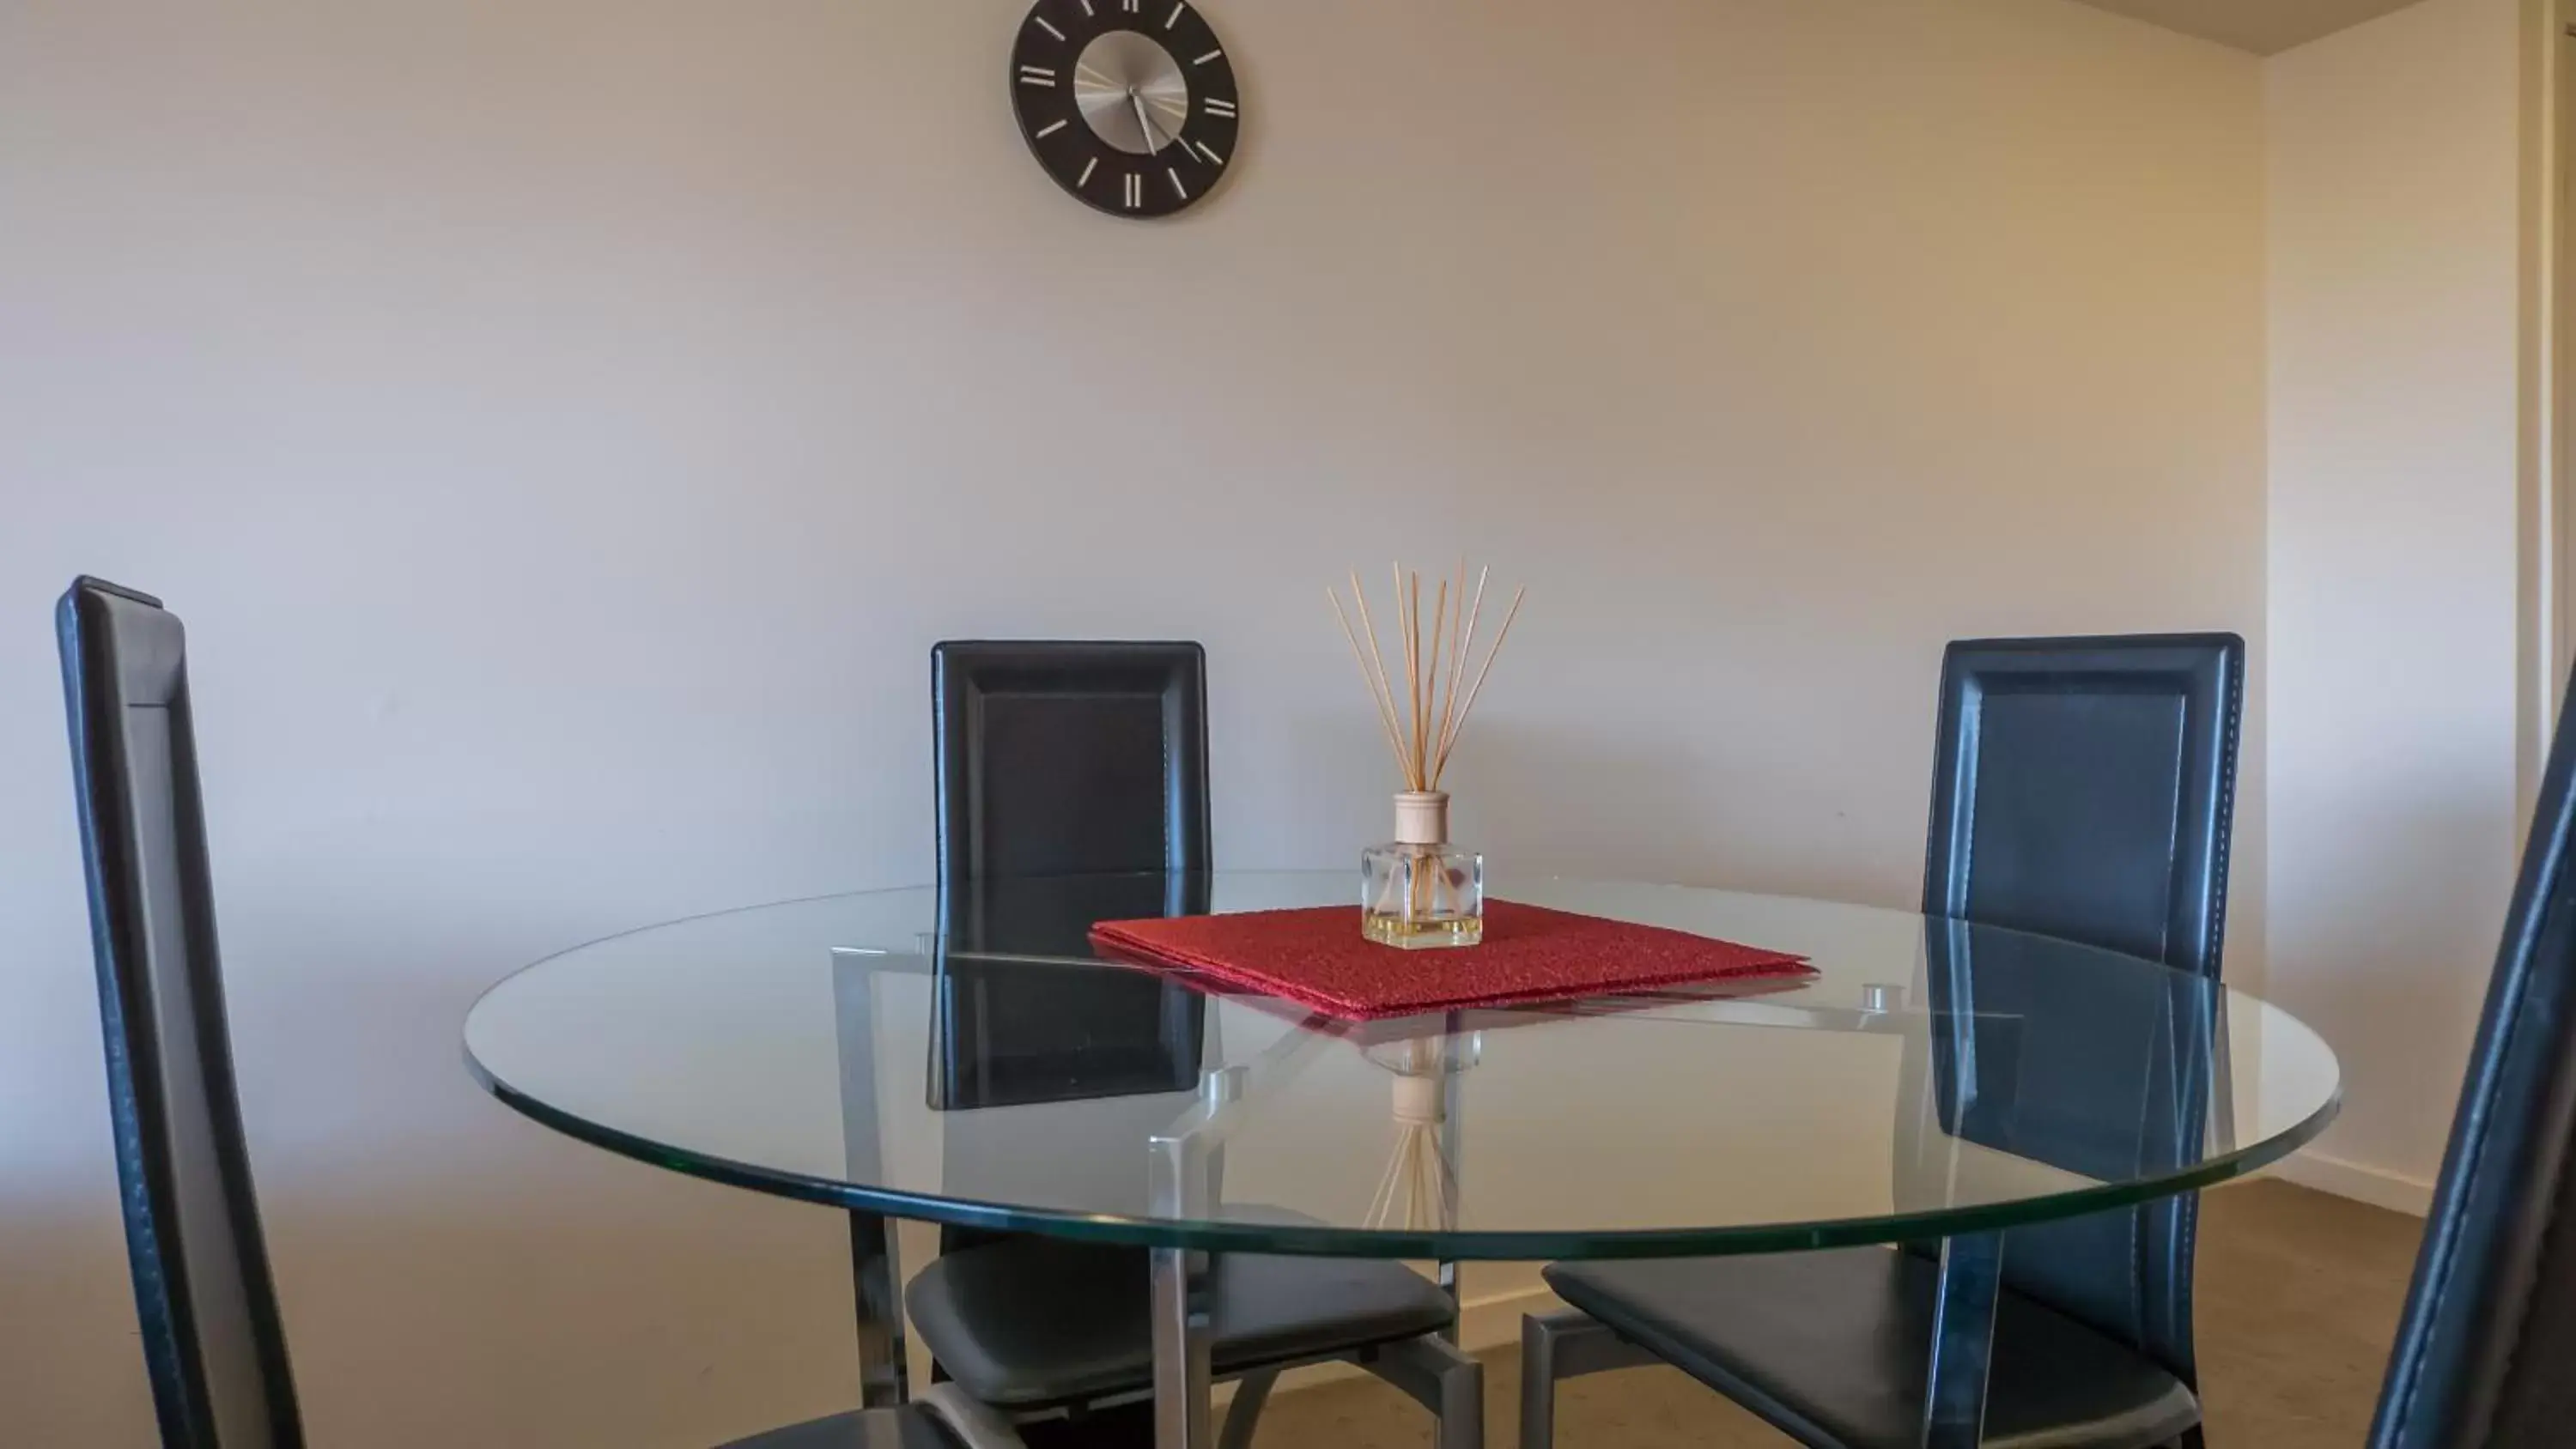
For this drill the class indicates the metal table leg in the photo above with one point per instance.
(1181, 1176)
(1963, 1341)
(1453, 1130)
(1181, 1306)
(875, 1268)
(883, 1375)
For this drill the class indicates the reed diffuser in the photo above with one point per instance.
(1418, 890)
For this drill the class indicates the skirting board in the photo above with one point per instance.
(2374, 1185)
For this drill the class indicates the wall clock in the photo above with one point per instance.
(1128, 104)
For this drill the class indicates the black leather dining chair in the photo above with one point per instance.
(1067, 772)
(2083, 789)
(2485, 1343)
(1062, 765)
(214, 1344)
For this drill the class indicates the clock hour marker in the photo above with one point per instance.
(1211, 55)
(1131, 6)
(1216, 107)
(1051, 130)
(1209, 152)
(1176, 183)
(1175, 17)
(1036, 75)
(1041, 22)
(1086, 8)
(1085, 178)
(1135, 190)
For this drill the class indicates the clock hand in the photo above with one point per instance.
(1176, 127)
(1151, 145)
(1164, 103)
(1173, 137)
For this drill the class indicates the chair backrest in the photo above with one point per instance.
(2484, 1349)
(1059, 758)
(1009, 1031)
(2084, 789)
(1065, 758)
(2082, 1060)
(1049, 1077)
(211, 1337)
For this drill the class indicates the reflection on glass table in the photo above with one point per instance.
(965, 1060)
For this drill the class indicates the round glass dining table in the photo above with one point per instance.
(964, 1057)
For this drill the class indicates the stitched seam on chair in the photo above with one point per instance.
(2187, 1211)
(2527, 1283)
(2211, 942)
(2442, 1281)
(2473, 1170)
(2190, 1238)
(2473, 1162)
(1163, 743)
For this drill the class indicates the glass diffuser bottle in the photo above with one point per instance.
(1417, 890)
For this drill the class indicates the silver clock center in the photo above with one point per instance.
(1131, 91)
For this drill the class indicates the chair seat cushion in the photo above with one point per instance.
(1030, 1322)
(1832, 1347)
(904, 1428)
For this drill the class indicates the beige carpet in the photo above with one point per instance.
(2298, 1298)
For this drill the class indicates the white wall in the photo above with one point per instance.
(2393, 298)
(566, 424)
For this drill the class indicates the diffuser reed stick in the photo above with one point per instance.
(1425, 716)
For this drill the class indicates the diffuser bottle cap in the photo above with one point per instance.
(1422, 817)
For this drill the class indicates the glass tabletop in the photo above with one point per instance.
(963, 1058)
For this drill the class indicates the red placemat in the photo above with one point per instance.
(1530, 953)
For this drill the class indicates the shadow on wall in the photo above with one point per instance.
(1536, 801)
(1619, 801)
(743, 1304)
(2387, 902)
(446, 1267)
(62, 1263)
(1749, 766)
(1566, 800)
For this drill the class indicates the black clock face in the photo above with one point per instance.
(1128, 104)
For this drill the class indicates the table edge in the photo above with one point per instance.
(1327, 1241)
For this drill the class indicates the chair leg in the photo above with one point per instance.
(1461, 1381)
(1244, 1414)
(1462, 1404)
(1538, 1384)
(973, 1424)
(1434, 1373)
(1564, 1345)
